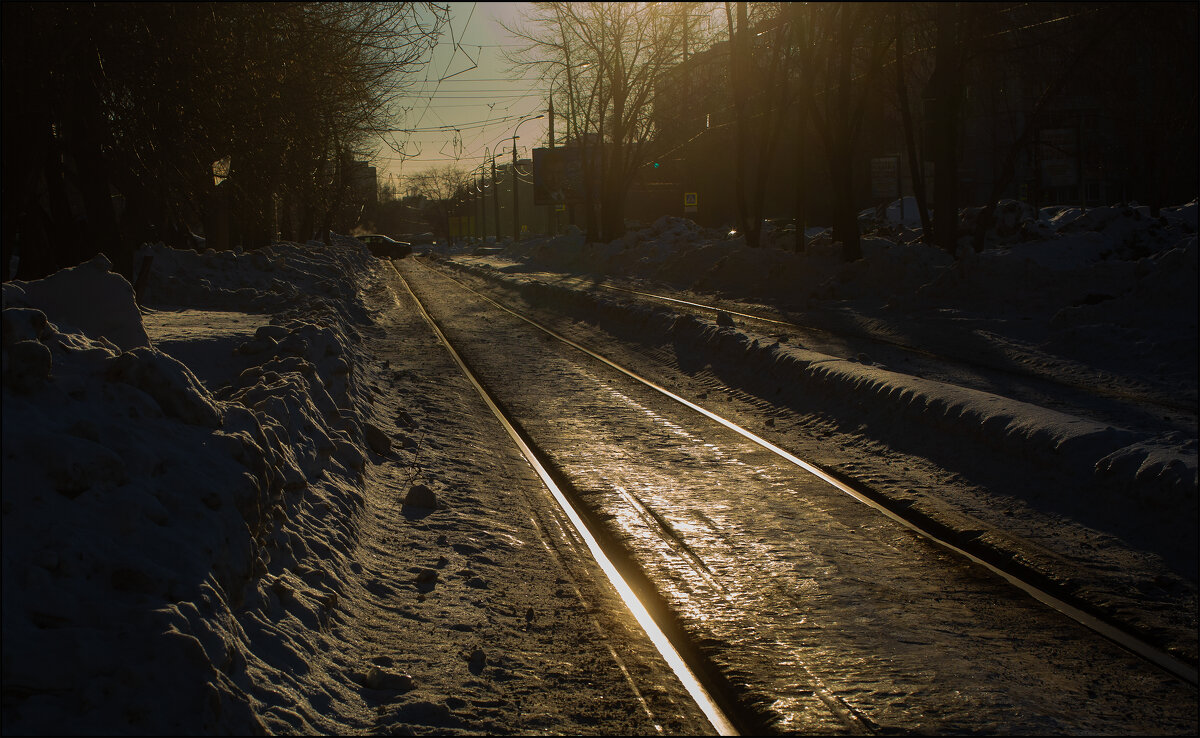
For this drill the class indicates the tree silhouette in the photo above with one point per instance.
(114, 115)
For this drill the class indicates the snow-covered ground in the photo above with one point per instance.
(1056, 370)
(188, 488)
(1101, 302)
(269, 504)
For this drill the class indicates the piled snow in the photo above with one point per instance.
(1099, 287)
(167, 527)
(72, 296)
(902, 403)
(1098, 280)
(141, 510)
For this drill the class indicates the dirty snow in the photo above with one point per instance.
(187, 488)
(1055, 370)
(267, 505)
(1087, 297)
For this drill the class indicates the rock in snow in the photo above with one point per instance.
(419, 495)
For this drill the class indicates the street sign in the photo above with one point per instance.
(885, 178)
(691, 202)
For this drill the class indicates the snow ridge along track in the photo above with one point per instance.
(672, 647)
(1001, 567)
(1013, 371)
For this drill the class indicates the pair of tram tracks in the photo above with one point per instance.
(1015, 372)
(699, 677)
(722, 702)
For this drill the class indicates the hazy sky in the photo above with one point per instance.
(466, 87)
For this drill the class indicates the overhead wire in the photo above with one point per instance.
(489, 95)
(453, 53)
(481, 125)
(485, 97)
(455, 126)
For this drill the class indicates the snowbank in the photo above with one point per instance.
(141, 509)
(900, 403)
(1057, 258)
(1094, 285)
(1101, 287)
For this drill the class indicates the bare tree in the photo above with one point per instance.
(614, 56)
(761, 65)
(844, 49)
(442, 189)
(1019, 59)
(1076, 37)
(154, 93)
(916, 165)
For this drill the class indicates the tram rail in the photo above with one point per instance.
(723, 706)
(1014, 371)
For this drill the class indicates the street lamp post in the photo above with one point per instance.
(482, 230)
(554, 206)
(516, 199)
(495, 197)
(570, 88)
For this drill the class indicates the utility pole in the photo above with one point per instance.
(570, 122)
(554, 205)
(496, 197)
(516, 199)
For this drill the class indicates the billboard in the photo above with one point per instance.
(557, 176)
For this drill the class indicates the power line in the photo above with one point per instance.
(458, 47)
(490, 79)
(481, 125)
(445, 159)
(491, 46)
(417, 93)
(474, 105)
(473, 97)
(453, 127)
(453, 54)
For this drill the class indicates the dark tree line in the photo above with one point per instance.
(133, 122)
(1019, 64)
(954, 86)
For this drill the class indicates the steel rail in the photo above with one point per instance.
(1110, 393)
(687, 677)
(1126, 640)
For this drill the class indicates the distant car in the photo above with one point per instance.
(385, 247)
